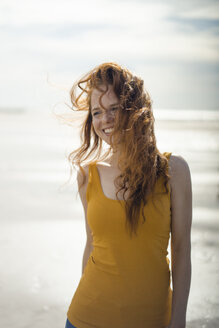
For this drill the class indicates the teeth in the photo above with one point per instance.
(108, 130)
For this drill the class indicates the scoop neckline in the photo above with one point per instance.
(100, 186)
(101, 189)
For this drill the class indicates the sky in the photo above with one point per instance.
(47, 45)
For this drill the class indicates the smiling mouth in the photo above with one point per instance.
(108, 131)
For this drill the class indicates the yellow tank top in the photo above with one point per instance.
(126, 282)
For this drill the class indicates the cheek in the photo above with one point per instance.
(95, 125)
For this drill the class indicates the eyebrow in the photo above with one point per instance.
(93, 109)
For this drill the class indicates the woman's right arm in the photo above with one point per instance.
(82, 192)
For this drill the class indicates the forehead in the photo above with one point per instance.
(108, 98)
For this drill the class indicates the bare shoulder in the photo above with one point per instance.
(177, 163)
(179, 171)
(82, 177)
(82, 180)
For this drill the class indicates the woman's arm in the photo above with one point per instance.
(181, 220)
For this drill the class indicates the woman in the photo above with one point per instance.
(134, 198)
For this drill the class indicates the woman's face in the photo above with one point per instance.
(104, 118)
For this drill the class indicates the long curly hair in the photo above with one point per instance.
(140, 162)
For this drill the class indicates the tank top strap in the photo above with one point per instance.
(93, 181)
(167, 154)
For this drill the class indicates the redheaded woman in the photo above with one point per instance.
(135, 198)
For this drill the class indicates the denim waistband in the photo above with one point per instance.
(69, 325)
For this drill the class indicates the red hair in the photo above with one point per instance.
(140, 162)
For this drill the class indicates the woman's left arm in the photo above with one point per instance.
(181, 220)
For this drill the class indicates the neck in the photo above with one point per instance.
(113, 159)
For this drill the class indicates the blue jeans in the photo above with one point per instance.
(69, 325)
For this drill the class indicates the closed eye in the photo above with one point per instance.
(96, 113)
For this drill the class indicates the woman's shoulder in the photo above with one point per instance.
(82, 174)
(177, 162)
(83, 171)
(179, 170)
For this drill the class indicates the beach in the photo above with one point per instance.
(42, 221)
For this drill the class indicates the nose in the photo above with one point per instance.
(108, 116)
